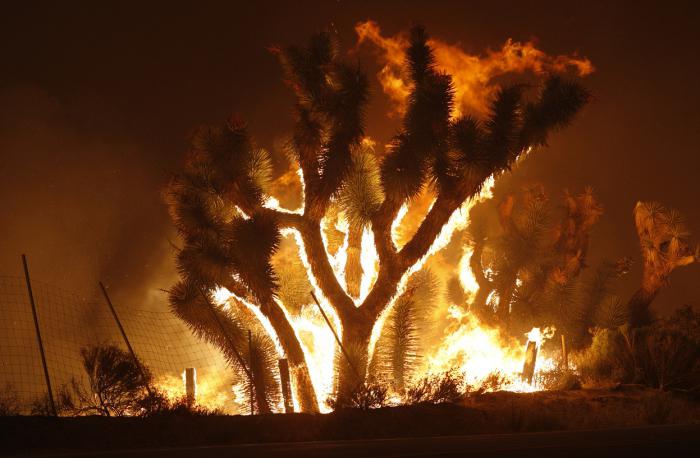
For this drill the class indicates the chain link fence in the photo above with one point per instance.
(69, 322)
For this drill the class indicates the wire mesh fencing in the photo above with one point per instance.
(69, 322)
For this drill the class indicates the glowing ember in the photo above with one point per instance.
(340, 257)
(318, 343)
(395, 225)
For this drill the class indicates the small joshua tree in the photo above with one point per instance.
(528, 274)
(218, 202)
(664, 240)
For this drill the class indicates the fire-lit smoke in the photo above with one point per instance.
(473, 75)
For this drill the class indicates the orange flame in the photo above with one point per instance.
(472, 75)
(479, 351)
(213, 390)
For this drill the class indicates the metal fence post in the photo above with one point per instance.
(337, 339)
(126, 339)
(52, 404)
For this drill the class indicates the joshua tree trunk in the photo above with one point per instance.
(358, 322)
(638, 307)
(355, 340)
(304, 389)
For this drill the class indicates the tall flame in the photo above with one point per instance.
(214, 391)
(479, 351)
(369, 260)
(473, 76)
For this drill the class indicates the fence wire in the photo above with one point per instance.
(69, 322)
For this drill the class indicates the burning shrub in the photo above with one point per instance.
(493, 382)
(528, 273)
(369, 395)
(446, 387)
(157, 403)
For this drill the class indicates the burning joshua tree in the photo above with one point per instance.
(665, 244)
(231, 227)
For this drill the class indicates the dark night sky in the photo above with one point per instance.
(97, 100)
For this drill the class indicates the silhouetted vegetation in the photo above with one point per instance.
(436, 389)
(9, 401)
(65, 401)
(663, 355)
(157, 403)
(369, 395)
(485, 413)
(116, 381)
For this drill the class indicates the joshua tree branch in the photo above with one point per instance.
(285, 219)
(428, 230)
(391, 272)
(323, 272)
(381, 227)
(353, 265)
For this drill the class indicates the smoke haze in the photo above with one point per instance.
(97, 103)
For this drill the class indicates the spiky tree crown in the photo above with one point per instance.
(533, 265)
(665, 242)
(217, 202)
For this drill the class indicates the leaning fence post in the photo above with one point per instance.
(337, 339)
(38, 336)
(126, 339)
